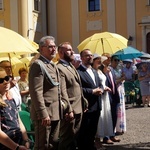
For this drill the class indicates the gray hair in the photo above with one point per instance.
(43, 40)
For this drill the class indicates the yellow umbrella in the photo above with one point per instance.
(104, 42)
(26, 61)
(12, 43)
(17, 63)
(14, 60)
(34, 44)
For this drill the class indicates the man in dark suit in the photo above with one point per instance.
(45, 96)
(72, 92)
(92, 90)
(113, 95)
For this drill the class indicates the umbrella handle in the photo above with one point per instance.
(102, 44)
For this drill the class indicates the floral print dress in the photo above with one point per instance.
(9, 122)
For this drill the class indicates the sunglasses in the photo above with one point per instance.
(6, 78)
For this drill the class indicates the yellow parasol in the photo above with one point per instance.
(12, 44)
(104, 42)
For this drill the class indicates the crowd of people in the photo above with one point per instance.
(76, 103)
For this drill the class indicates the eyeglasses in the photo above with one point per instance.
(6, 67)
(50, 46)
(6, 78)
(88, 55)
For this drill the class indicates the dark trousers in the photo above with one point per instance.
(88, 130)
(114, 114)
(46, 138)
(69, 133)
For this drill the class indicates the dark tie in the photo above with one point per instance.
(112, 82)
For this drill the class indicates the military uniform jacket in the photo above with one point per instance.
(71, 87)
(45, 97)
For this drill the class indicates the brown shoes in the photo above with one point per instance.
(115, 139)
(119, 133)
(108, 141)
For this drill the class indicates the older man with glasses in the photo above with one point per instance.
(44, 89)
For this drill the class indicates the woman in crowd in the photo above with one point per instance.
(144, 79)
(119, 79)
(12, 130)
(24, 86)
(105, 127)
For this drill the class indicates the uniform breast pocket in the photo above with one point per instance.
(54, 78)
(51, 80)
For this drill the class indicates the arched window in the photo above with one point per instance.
(93, 5)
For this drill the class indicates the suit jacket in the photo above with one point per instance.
(71, 87)
(114, 98)
(45, 98)
(88, 85)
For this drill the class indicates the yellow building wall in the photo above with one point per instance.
(141, 10)
(86, 16)
(64, 21)
(104, 15)
(121, 17)
(5, 14)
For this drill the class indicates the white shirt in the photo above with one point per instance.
(90, 72)
(16, 96)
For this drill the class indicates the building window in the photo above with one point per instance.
(1, 4)
(37, 5)
(94, 5)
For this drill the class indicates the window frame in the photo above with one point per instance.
(94, 5)
(1, 5)
(37, 5)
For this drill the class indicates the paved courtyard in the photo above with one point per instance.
(137, 136)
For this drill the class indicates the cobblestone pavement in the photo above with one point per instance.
(137, 136)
